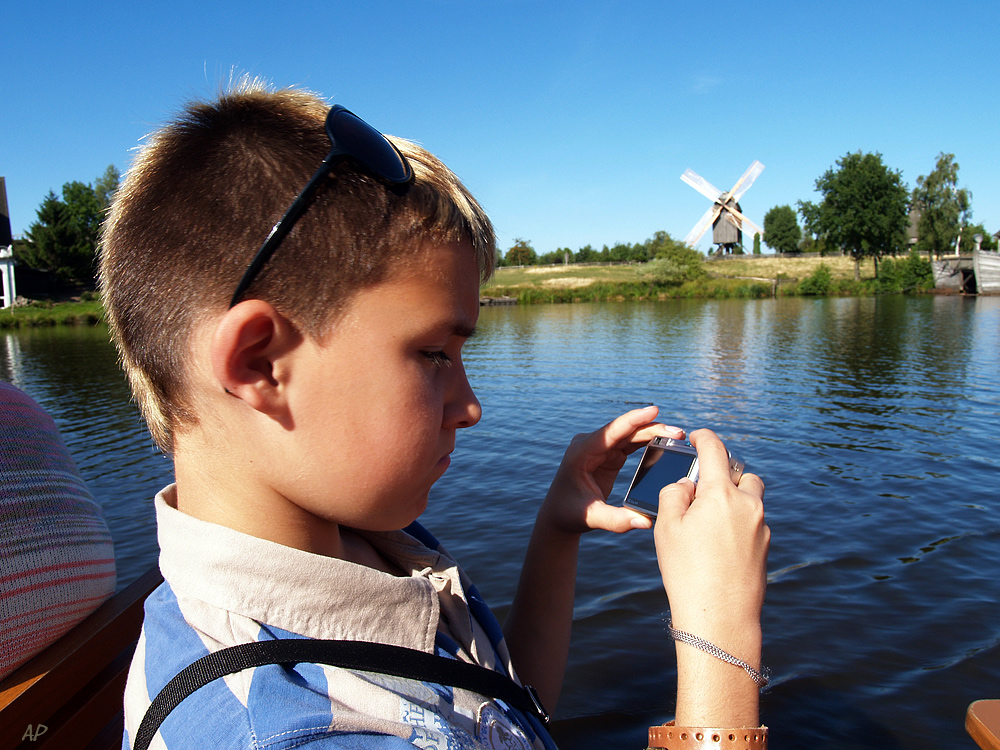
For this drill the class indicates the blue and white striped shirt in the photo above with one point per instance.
(222, 588)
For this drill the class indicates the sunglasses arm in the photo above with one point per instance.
(280, 230)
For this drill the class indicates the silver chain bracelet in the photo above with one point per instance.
(760, 679)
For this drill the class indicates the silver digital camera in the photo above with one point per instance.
(665, 461)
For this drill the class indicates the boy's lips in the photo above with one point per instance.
(444, 462)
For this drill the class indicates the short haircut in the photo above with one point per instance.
(201, 197)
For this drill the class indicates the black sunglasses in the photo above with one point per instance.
(349, 136)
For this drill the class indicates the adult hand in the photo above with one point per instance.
(711, 544)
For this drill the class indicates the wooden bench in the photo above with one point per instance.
(982, 722)
(70, 695)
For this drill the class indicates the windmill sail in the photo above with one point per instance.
(744, 183)
(703, 224)
(702, 185)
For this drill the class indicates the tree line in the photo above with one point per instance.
(661, 245)
(865, 212)
(867, 209)
(64, 238)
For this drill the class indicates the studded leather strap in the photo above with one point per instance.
(672, 737)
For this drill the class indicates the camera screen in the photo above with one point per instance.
(657, 469)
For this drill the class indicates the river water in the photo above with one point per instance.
(872, 422)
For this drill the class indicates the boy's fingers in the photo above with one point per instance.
(618, 429)
(616, 519)
(637, 426)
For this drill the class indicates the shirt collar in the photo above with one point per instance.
(301, 592)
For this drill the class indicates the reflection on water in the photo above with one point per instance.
(870, 420)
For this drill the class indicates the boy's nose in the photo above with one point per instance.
(465, 409)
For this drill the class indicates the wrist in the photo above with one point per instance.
(739, 635)
(549, 524)
(718, 686)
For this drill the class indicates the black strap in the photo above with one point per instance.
(358, 655)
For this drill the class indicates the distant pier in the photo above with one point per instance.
(492, 301)
(978, 273)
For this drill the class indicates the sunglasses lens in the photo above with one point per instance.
(353, 136)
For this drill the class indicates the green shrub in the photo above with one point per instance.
(907, 276)
(818, 283)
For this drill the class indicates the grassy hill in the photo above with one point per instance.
(736, 276)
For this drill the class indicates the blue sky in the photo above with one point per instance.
(570, 121)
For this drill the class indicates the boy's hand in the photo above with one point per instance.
(577, 499)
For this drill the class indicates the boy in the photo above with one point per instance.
(277, 385)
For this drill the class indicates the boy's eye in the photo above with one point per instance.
(437, 358)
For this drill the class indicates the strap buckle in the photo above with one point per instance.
(543, 715)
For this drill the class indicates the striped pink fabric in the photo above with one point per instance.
(56, 559)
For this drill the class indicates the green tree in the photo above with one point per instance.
(781, 230)
(620, 253)
(521, 254)
(968, 243)
(586, 254)
(756, 243)
(65, 236)
(943, 207)
(662, 245)
(106, 185)
(813, 239)
(864, 208)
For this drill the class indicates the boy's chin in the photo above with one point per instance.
(415, 507)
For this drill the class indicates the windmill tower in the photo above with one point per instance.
(725, 215)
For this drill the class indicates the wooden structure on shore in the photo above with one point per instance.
(493, 301)
(978, 273)
(6, 250)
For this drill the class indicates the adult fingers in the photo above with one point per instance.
(675, 499)
(713, 459)
(752, 485)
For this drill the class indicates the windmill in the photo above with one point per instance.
(725, 215)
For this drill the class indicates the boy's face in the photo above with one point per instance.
(381, 397)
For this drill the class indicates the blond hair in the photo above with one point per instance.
(201, 197)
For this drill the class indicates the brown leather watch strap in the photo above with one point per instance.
(673, 737)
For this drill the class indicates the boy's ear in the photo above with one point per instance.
(249, 355)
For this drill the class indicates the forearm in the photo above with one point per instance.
(540, 622)
(714, 693)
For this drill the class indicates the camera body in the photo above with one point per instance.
(665, 461)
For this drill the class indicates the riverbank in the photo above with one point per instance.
(734, 277)
(744, 276)
(40, 314)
